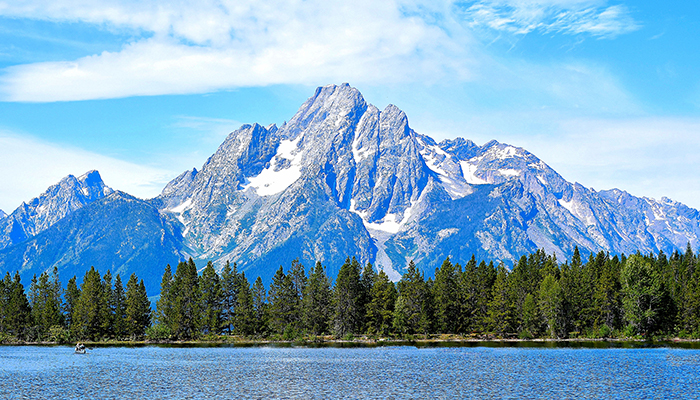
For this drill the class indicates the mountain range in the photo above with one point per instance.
(340, 178)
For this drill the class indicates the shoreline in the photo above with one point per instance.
(421, 342)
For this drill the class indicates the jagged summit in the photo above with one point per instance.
(366, 167)
(344, 178)
(59, 200)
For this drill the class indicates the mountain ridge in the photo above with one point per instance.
(344, 178)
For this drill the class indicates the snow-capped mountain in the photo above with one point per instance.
(342, 171)
(59, 200)
(343, 178)
(2, 215)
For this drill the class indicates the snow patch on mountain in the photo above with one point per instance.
(391, 223)
(509, 172)
(284, 170)
(468, 171)
(453, 182)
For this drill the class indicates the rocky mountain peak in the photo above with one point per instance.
(344, 178)
(59, 200)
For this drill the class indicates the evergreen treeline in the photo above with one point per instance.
(98, 309)
(636, 296)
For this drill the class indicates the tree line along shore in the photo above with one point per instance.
(641, 296)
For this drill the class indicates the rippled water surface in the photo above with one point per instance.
(38, 372)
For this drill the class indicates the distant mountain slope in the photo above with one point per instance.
(341, 178)
(119, 232)
(59, 200)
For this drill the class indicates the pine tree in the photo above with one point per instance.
(260, 307)
(447, 298)
(366, 282)
(380, 309)
(89, 309)
(500, 308)
(4, 300)
(642, 294)
(316, 304)
(550, 305)
(18, 314)
(107, 317)
(347, 318)
(72, 295)
(531, 319)
(45, 301)
(138, 308)
(414, 294)
(285, 310)
(230, 285)
(186, 301)
(119, 327)
(244, 316)
(212, 294)
(606, 297)
(164, 307)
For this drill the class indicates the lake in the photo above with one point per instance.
(399, 372)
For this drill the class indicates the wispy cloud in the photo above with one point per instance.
(571, 17)
(46, 163)
(214, 130)
(654, 156)
(214, 45)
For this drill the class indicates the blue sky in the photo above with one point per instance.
(605, 92)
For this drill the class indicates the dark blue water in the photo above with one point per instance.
(36, 372)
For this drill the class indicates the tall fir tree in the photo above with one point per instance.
(164, 306)
(347, 318)
(90, 308)
(186, 301)
(244, 315)
(138, 308)
(500, 308)
(317, 301)
(45, 301)
(414, 294)
(71, 300)
(107, 316)
(230, 286)
(212, 298)
(18, 312)
(551, 307)
(380, 310)
(642, 294)
(285, 310)
(447, 298)
(119, 327)
(260, 307)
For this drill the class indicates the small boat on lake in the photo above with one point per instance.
(80, 348)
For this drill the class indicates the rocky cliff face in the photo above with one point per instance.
(118, 232)
(59, 200)
(388, 194)
(343, 178)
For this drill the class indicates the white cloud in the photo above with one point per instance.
(219, 44)
(46, 163)
(652, 157)
(571, 17)
(205, 46)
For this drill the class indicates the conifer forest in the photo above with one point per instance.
(640, 296)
